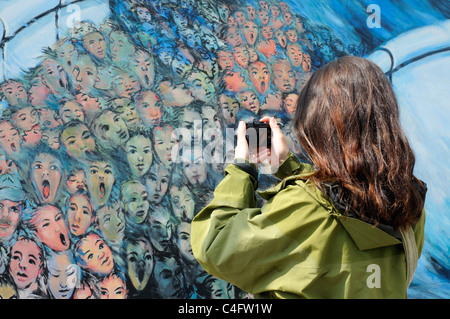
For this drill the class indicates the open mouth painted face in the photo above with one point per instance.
(260, 76)
(100, 179)
(46, 177)
(51, 227)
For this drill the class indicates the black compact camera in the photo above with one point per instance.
(258, 134)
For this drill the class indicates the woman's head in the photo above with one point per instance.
(347, 119)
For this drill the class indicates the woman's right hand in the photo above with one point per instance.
(279, 150)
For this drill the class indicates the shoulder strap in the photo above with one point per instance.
(411, 253)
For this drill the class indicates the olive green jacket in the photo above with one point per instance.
(298, 245)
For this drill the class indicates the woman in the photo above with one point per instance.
(331, 230)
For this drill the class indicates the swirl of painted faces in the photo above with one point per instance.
(97, 192)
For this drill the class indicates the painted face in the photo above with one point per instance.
(126, 84)
(111, 222)
(54, 76)
(135, 201)
(182, 201)
(89, 105)
(292, 35)
(274, 11)
(26, 118)
(160, 230)
(110, 128)
(38, 93)
(15, 93)
(76, 181)
(10, 139)
(192, 120)
(287, 16)
(46, 176)
(235, 82)
(157, 182)
(267, 32)
(181, 65)
(225, 60)
(164, 143)
(121, 48)
(63, 275)
(26, 263)
(295, 54)
(94, 255)
(210, 120)
(195, 170)
(95, 44)
(250, 101)
(100, 180)
(290, 103)
(183, 238)
(127, 111)
(241, 56)
(306, 63)
(51, 227)
(85, 75)
(250, 30)
(143, 66)
(140, 263)
(264, 5)
(169, 276)
(224, 12)
(113, 287)
(79, 214)
(233, 37)
(149, 108)
(9, 217)
(70, 111)
(78, 140)
(175, 95)
(201, 87)
(143, 14)
(251, 12)
(281, 38)
(33, 136)
(229, 108)
(67, 54)
(49, 118)
(263, 16)
(139, 154)
(260, 76)
(284, 76)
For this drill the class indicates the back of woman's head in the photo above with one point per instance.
(347, 119)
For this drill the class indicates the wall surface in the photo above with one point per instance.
(97, 194)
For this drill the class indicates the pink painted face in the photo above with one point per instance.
(250, 30)
(46, 175)
(15, 93)
(26, 263)
(94, 255)
(51, 227)
(295, 54)
(284, 76)
(95, 43)
(260, 76)
(10, 139)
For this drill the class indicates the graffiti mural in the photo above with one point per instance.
(118, 135)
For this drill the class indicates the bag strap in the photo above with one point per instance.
(411, 253)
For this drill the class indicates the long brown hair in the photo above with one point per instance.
(347, 119)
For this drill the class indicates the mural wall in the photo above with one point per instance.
(117, 136)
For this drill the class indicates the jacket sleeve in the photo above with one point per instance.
(236, 241)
